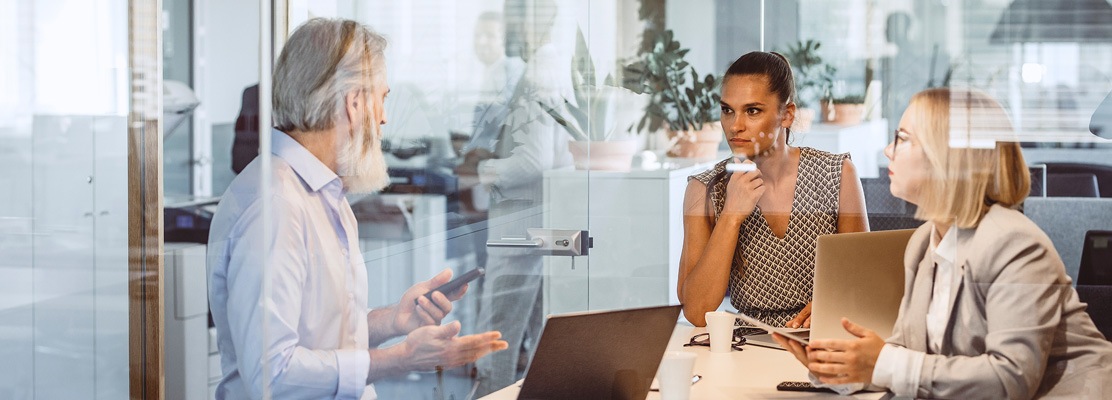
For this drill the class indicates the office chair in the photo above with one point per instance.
(1038, 180)
(1099, 299)
(1103, 173)
(886, 212)
(1072, 185)
(1066, 221)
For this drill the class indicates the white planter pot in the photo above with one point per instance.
(603, 156)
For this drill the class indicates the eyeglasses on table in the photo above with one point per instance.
(703, 339)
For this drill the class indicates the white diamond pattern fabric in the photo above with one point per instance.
(771, 278)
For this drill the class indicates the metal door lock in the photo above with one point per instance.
(549, 242)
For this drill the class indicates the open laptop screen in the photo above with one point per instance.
(600, 355)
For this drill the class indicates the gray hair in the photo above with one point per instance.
(323, 61)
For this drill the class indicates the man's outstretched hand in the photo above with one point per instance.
(429, 347)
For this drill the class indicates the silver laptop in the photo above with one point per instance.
(599, 355)
(859, 276)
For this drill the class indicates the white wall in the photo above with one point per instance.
(694, 27)
(232, 57)
(80, 56)
(63, 199)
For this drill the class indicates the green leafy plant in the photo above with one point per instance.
(679, 96)
(814, 78)
(592, 117)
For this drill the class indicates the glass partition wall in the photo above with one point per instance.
(65, 98)
(491, 104)
(502, 123)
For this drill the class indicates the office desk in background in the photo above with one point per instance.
(749, 374)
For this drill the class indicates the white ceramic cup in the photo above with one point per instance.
(674, 375)
(720, 325)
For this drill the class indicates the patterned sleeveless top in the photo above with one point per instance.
(771, 278)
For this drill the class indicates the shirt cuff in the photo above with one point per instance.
(898, 368)
(355, 368)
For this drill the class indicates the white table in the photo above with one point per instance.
(749, 374)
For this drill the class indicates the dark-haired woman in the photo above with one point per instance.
(755, 230)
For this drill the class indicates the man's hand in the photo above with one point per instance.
(846, 361)
(408, 315)
(801, 320)
(470, 164)
(429, 347)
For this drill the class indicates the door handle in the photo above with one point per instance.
(549, 242)
(508, 241)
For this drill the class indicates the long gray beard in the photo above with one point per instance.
(361, 162)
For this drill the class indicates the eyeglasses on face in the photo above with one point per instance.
(900, 136)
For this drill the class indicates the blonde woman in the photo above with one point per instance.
(988, 310)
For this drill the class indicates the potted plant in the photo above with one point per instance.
(845, 110)
(593, 119)
(814, 79)
(680, 100)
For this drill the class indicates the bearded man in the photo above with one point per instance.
(297, 324)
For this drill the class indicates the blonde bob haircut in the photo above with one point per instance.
(974, 159)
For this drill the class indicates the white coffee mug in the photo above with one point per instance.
(720, 325)
(674, 375)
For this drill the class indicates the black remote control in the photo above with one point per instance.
(789, 386)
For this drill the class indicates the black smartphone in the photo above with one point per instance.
(790, 386)
(454, 285)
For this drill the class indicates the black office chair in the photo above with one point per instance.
(1072, 185)
(1038, 180)
(1099, 299)
(1102, 172)
(1096, 259)
(887, 212)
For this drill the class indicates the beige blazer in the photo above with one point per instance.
(1016, 328)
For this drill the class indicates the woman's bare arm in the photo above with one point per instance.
(708, 250)
(852, 216)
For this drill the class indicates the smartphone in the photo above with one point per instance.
(790, 386)
(454, 285)
(785, 332)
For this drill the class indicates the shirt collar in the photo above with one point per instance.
(307, 166)
(945, 248)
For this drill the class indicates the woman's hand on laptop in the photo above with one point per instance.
(803, 319)
(836, 361)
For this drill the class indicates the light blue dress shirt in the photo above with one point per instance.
(313, 343)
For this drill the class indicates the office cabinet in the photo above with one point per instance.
(864, 142)
(635, 219)
(185, 318)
